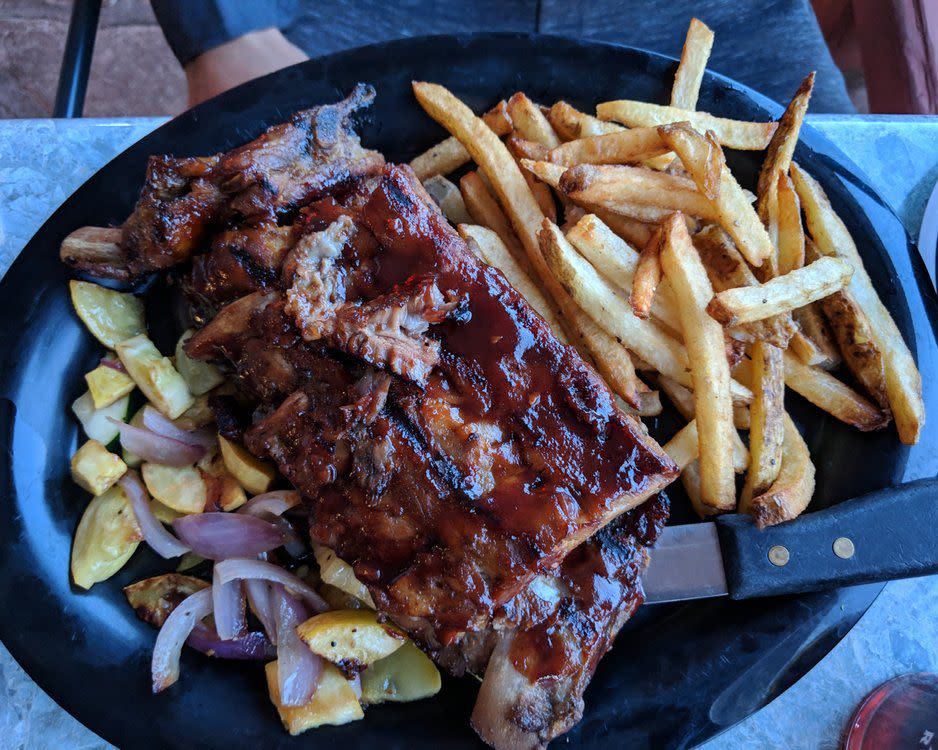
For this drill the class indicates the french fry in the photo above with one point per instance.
(790, 241)
(520, 148)
(766, 412)
(618, 261)
(631, 230)
(728, 270)
(747, 136)
(903, 381)
(733, 210)
(710, 372)
(782, 147)
(693, 63)
(484, 210)
(690, 478)
(449, 155)
(791, 492)
(782, 294)
(621, 147)
(684, 448)
(621, 188)
(821, 350)
(489, 247)
(854, 336)
(647, 277)
(683, 400)
(530, 122)
(571, 124)
(649, 401)
(448, 198)
(831, 395)
(611, 358)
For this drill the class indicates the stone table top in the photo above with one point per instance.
(43, 161)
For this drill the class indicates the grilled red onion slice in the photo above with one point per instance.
(162, 425)
(114, 364)
(156, 448)
(159, 539)
(219, 536)
(275, 503)
(228, 606)
(298, 668)
(260, 597)
(242, 569)
(164, 668)
(254, 646)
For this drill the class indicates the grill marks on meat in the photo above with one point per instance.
(184, 201)
(298, 161)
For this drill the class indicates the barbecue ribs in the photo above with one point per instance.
(474, 471)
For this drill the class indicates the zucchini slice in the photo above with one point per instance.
(406, 675)
(200, 376)
(95, 468)
(106, 537)
(106, 385)
(112, 317)
(155, 376)
(334, 702)
(95, 421)
(254, 475)
(352, 637)
(181, 489)
(336, 572)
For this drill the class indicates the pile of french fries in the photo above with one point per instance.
(665, 265)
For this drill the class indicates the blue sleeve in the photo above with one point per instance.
(195, 26)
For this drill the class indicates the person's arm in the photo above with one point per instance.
(222, 43)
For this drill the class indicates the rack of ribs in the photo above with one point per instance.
(473, 470)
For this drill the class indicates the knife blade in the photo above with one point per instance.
(881, 536)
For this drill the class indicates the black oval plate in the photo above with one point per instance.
(677, 675)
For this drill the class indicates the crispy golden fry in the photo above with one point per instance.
(622, 147)
(647, 277)
(903, 381)
(611, 358)
(615, 259)
(449, 155)
(489, 247)
(571, 124)
(448, 198)
(649, 402)
(790, 231)
(782, 147)
(749, 136)
(484, 210)
(690, 478)
(710, 372)
(766, 431)
(683, 400)
(631, 230)
(620, 188)
(728, 270)
(733, 210)
(530, 122)
(690, 71)
(820, 350)
(836, 398)
(684, 448)
(520, 148)
(854, 336)
(781, 294)
(790, 494)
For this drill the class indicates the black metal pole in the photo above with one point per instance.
(76, 62)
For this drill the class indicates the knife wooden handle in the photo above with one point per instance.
(888, 534)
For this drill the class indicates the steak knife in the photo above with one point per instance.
(881, 536)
